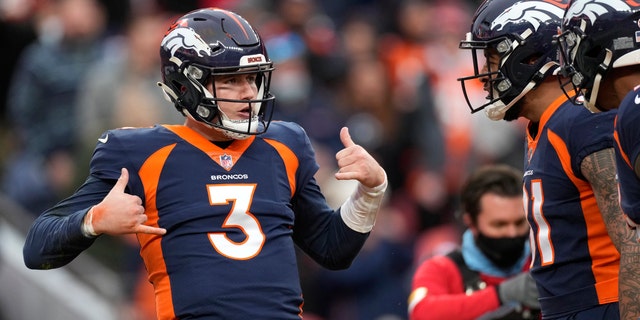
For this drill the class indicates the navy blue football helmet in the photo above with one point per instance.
(214, 42)
(521, 33)
(597, 36)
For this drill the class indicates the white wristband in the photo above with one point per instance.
(360, 210)
(87, 225)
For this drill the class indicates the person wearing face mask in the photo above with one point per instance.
(487, 277)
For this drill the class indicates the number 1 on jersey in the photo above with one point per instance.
(543, 234)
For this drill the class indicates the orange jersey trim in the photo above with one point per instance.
(150, 245)
(532, 143)
(235, 150)
(624, 156)
(290, 161)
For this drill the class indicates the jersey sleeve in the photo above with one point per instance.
(55, 238)
(589, 134)
(437, 294)
(627, 152)
(321, 233)
(319, 230)
(628, 127)
(114, 152)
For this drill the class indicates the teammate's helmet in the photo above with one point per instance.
(521, 33)
(212, 42)
(596, 37)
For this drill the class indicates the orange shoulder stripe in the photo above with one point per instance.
(290, 161)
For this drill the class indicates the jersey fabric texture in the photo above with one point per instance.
(627, 135)
(230, 216)
(575, 263)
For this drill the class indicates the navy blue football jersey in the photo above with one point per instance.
(232, 217)
(627, 135)
(575, 263)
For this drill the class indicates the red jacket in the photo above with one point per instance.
(438, 293)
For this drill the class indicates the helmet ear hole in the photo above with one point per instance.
(187, 97)
(531, 59)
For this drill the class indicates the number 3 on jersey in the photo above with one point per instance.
(240, 218)
(543, 235)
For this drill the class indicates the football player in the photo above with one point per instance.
(219, 202)
(599, 44)
(570, 194)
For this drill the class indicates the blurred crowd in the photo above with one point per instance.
(387, 69)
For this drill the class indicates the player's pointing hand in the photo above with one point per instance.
(355, 163)
(120, 213)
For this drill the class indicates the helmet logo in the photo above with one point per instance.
(187, 39)
(592, 9)
(534, 12)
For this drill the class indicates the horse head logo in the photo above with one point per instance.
(534, 12)
(185, 38)
(593, 9)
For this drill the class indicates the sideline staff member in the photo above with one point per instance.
(488, 274)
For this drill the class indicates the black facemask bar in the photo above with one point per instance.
(585, 63)
(568, 77)
(207, 109)
(495, 79)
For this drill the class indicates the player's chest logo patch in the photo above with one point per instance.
(226, 161)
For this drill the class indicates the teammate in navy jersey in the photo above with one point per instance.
(599, 44)
(219, 202)
(570, 194)
(627, 136)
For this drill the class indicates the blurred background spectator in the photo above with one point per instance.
(385, 68)
(41, 101)
(121, 90)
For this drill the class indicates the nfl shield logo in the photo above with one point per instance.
(226, 161)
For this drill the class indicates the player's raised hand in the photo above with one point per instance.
(355, 163)
(120, 212)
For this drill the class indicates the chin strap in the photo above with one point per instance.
(496, 111)
(168, 93)
(591, 102)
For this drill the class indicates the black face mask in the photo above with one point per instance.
(503, 252)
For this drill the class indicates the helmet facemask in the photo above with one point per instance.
(209, 112)
(497, 83)
(520, 69)
(202, 105)
(584, 63)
